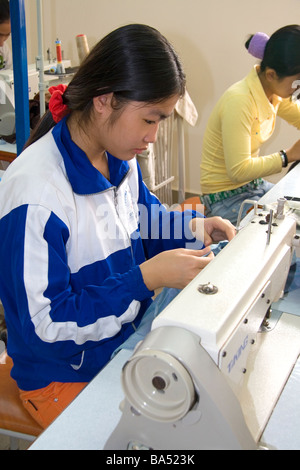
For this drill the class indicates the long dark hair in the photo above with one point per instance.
(282, 52)
(4, 11)
(134, 62)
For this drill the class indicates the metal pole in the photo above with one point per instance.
(19, 52)
(40, 57)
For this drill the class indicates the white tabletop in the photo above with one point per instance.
(6, 147)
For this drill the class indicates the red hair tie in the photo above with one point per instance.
(56, 106)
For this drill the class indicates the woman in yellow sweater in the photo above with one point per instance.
(244, 118)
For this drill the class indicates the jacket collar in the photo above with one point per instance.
(83, 176)
(264, 107)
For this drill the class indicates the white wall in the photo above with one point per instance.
(208, 35)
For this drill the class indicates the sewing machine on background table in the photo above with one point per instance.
(217, 364)
(7, 108)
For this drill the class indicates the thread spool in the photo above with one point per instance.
(82, 47)
(60, 67)
(280, 207)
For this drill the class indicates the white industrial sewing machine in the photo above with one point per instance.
(210, 372)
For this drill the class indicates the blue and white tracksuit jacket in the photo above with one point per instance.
(71, 243)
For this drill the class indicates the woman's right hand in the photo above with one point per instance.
(174, 268)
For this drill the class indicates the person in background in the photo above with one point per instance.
(232, 168)
(84, 244)
(5, 30)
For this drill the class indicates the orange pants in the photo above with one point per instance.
(45, 404)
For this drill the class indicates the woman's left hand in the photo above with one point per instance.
(212, 229)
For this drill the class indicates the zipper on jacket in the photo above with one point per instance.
(128, 235)
(118, 214)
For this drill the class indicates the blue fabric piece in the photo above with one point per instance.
(291, 299)
(293, 279)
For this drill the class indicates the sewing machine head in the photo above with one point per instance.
(190, 382)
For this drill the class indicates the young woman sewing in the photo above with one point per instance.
(232, 169)
(83, 242)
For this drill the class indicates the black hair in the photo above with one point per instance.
(282, 52)
(134, 62)
(4, 11)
